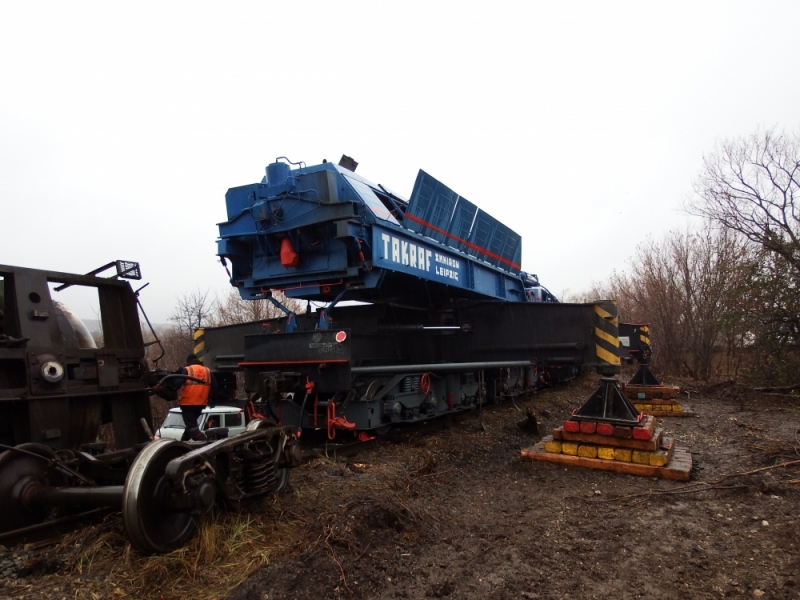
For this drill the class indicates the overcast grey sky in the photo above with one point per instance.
(579, 124)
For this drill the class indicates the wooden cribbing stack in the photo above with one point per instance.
(652, 397)
(608, 433)
(647, 393)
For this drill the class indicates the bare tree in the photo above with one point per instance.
(771, 308)
(192, 312)
(711, 265)
(751, 186)
(233, 309)
(686, 286)
(175, 345)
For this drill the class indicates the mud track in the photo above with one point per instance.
(457, 514)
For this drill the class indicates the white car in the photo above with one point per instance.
(220, 416)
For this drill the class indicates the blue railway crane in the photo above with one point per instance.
(451, 319)
(324, 233)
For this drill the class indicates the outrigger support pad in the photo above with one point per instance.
(644, 376)
(609, 405)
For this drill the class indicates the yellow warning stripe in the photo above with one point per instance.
(607, 356)
(603, 314)
(199, 342)
(644, 338)
(614, 341)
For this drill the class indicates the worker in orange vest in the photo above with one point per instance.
(193, 396)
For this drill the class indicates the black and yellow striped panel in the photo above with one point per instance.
(606, 333)
(644, 334)
(199, 343)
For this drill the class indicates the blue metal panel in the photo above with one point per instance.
(500, 245)
(371, 200)
(239, 199)
(461, 224)
(438, 212)
(481, 234)
(431, 207)
(505, 244)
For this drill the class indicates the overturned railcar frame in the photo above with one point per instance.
(56, 388)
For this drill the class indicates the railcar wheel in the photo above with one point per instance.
(281, 474)
(18, 470)
(152, 526)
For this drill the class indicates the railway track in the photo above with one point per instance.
(45, 533)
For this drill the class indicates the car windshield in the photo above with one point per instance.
(173, 420)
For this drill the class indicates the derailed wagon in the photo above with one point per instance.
(382, 365)
(57, 387)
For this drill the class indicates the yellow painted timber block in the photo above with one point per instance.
(607, 440)
(622, 454)
(587, 451)
(663, 455)
(677, 407)
(678, 469)
(605, 453)
(553, 446)
(658, 459)
(640, 457)
(570, 448)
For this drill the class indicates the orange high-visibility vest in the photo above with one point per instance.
(193, 392)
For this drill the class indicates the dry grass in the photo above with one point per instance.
(227, 548)
(98, 562)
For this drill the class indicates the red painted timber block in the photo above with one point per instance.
(588, 426)
(572, 426)
(605, 429)
(645, 432)
(621, 431)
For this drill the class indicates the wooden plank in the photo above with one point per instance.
(670, 413)
(655, 401)
(605, 440)
(678, 469)
(663, 392)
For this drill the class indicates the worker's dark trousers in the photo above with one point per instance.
(190, 415)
